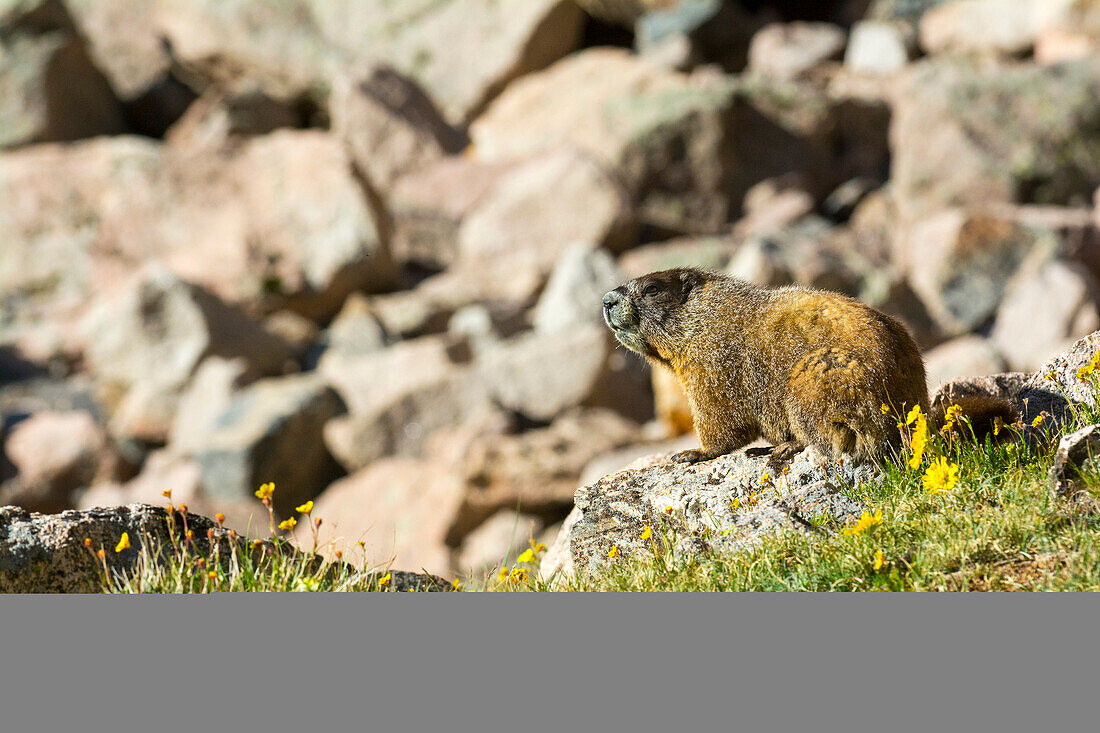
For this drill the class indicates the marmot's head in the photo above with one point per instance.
(646, 315)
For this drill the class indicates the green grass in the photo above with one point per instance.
(999, 528)
(176, 570)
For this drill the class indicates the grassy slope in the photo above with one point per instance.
(998, 528)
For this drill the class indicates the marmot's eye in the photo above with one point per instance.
(651, 289)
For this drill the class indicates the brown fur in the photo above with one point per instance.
(793, 365)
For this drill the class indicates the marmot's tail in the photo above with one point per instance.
(986, 414)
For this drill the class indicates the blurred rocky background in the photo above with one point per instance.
(357, 247)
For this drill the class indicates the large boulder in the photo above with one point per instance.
(960, 261)
(205, 398)
(717, 506)
(574, 293)
(428, 206)
(160, 328)
(272, 431)
(398, 422)
(969, 133)
(537, 471)
(687, 146)
(965, 356)
(669, 134)
(50, 88)
(74, 222)
(433, 45)
(397, 396)
(518, 230)
(284, 221)
(541, 375)
(55, 454)
(1048, 305)
(398, 508)
(145, 345)
(390, 125)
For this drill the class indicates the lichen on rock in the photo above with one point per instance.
(725, 505)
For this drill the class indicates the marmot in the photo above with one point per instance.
(793, 365)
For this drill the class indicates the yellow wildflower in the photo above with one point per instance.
(167, 493)
(219, 518)
(538, 547)
(765, 478)
(304, 508)
(518, 575)
(736, 504)
(919, 439)
(1090, 367)
(526, 556)
(123, 543)
(385, 580)
(865, 522)
(288, 523)
(213, 575)
(265, 491)
(1050, 376)
(101, 554)
(456, 585)
(880, 559)
(503, 574)
(87, 541)
(941, 476)
(884, 408)
(913, 415)
(614, 551)
(998, 425)
(1037, 421)
(668, 510)
(949, 416)
(647, 532)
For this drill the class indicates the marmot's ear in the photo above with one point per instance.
(689, 280)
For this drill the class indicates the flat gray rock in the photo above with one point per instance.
(45, 553)
(720, 505)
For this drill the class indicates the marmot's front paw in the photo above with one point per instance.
(693, 455)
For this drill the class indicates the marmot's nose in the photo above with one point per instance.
(611, 299)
